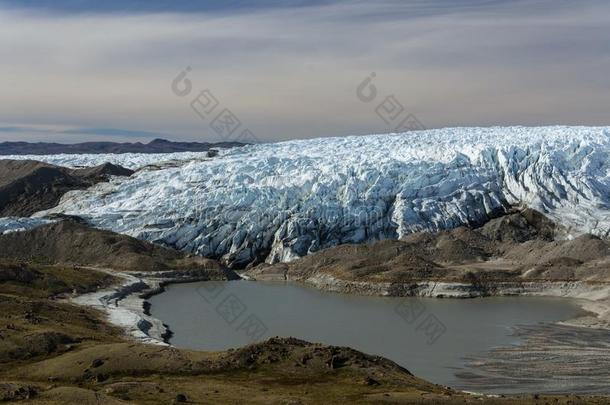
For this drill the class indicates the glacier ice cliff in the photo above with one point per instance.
(276, 202)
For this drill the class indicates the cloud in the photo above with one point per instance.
(114, 132)
(51, 133)
(188, 6)
(291, 72)
(11, 129)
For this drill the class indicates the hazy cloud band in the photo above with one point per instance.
(293, 71)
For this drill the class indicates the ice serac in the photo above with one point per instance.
(276, 202)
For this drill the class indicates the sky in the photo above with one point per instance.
(74, 71)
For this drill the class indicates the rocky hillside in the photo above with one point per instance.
(28, 186)
(71, 243)
(523, 245)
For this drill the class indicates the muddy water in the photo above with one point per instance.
(430, 337)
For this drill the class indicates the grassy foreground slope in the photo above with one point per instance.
(52, 352)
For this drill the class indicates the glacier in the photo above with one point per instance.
(131, 161)
(18, 224)
(280, 201)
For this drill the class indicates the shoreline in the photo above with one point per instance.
(594, 298)
(125, 304)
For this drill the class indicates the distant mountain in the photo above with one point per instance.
(155, 146)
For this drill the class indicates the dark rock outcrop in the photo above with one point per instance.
(519, 246)
(73, 243)
(28, 186)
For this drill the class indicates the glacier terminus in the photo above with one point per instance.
(277, 202)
